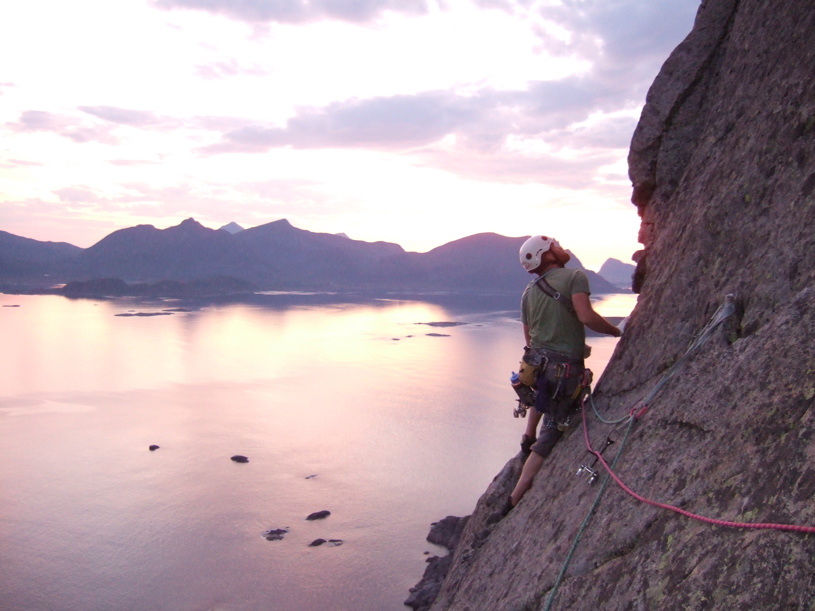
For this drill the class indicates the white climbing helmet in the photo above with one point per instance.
(532, 250)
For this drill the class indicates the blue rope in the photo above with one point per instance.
(600, 418)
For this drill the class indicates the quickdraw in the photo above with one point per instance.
(562, 371)
(592, 469)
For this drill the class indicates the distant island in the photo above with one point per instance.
(190, 260)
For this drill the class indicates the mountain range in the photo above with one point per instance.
(274, 256)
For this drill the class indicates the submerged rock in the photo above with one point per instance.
(329, 543)
(239, 458)
(153, 448)
(275, 534)
(318, 515)
(442, 324)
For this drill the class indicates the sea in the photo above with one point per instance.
(388, 412)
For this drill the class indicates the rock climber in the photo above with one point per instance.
(555, 309)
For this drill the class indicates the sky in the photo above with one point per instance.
(417, 122)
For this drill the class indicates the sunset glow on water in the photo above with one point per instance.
(353, 408)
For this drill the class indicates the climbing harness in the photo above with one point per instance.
(528, 394)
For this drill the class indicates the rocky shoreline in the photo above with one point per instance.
(447, 533)
(474, 530)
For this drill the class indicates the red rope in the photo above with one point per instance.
(762, 526)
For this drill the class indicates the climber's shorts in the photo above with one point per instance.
(547, 438)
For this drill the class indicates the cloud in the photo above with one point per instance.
(38, 120)
(17, 163)
(625, 40)
(219, 123)
(385, 123)
(132, 162)
(517, 165)
(565, 132)
(140, 119)
(299, 11)
(558, 132)
(82, 129)
(612, 132)
(505, 5)
(405, 122)
(547, 105)
(622, 41)
(227, 68)
(121, 116)
(63, 125)
(79, 195)
(6, 86)
(570, 128)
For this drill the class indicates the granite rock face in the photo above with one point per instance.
(723, 169)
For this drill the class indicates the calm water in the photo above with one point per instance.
(352, 408)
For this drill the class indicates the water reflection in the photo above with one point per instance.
(400, 428)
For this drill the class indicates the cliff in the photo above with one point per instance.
(723, 171)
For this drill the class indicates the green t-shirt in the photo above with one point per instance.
(551, 325)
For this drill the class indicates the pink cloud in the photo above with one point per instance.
(63, 125)
(299, 11)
